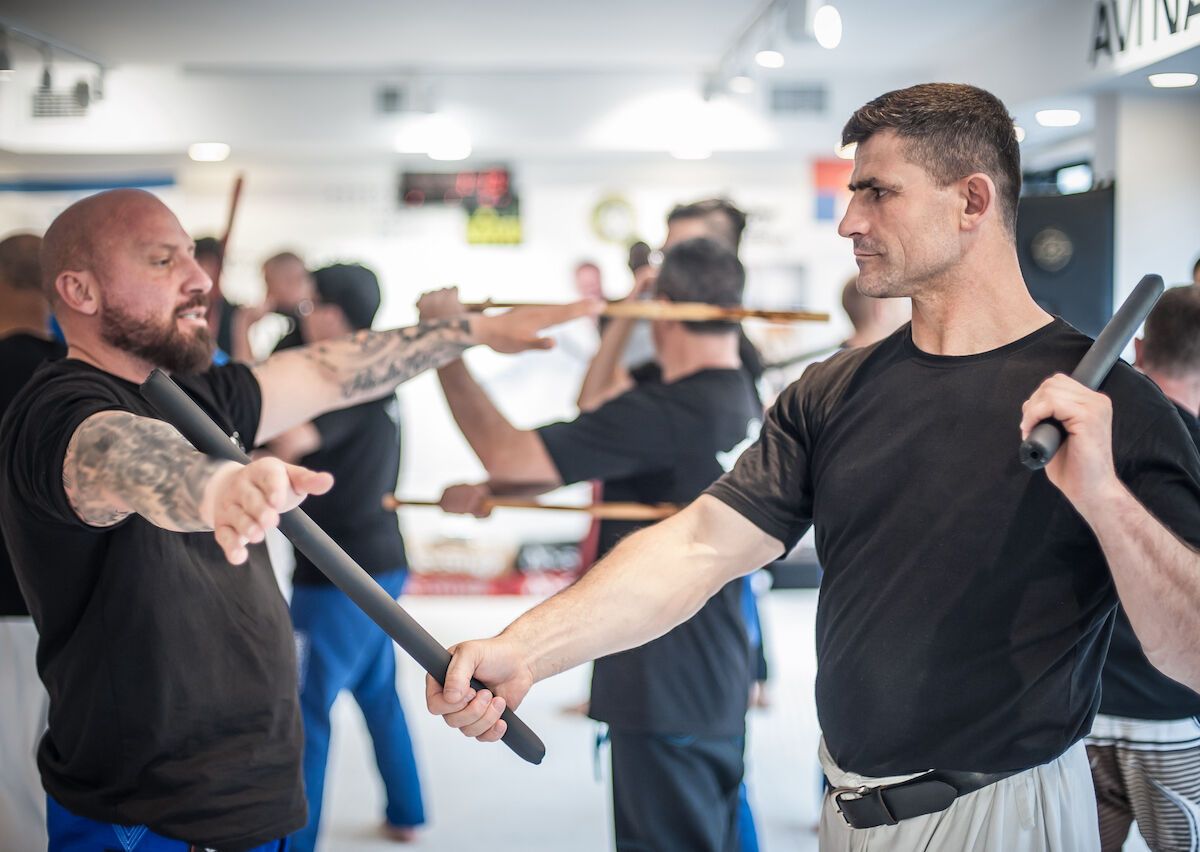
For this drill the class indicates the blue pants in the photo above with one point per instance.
(339, 647)
(747, 832)
(71, 833)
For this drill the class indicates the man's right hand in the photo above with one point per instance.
(498, 662)
(242, 502)
(466, 499)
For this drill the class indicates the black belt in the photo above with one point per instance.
(869, 807)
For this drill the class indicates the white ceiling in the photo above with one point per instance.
(472, 35)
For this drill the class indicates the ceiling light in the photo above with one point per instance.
(1057, 117)
(827, 27)
(457, 149)
(769, 58)
(208, 152)
(1173, 80)
(1020, 133)
(846, 152)
(741, 85)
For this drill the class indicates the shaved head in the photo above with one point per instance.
(80, 239)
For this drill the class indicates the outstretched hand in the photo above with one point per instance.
(467, 499)
(519, 329)
(242, 502)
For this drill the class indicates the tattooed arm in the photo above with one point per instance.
(300, 384)
(118, 464)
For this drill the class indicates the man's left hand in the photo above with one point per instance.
(1083, 466)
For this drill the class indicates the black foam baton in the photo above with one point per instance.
(178, 409)
(1046, 437)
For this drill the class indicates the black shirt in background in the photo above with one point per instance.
(966, 607)
(171, 673)
(360, 446)
(1131, 686)
(664, 443)
(20, 355)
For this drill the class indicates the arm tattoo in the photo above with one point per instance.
(119, 463)
(370, 362)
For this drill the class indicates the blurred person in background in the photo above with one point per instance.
(25, 344)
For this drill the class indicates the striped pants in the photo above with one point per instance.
(1147, 771)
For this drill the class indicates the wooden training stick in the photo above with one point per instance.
(681, 311)
(603, 511)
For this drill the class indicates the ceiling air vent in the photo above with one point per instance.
(798, 99)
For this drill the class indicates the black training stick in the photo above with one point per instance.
(1044, 440)
(178, 409)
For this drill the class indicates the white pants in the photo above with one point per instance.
(23, 707)
(1049, 808)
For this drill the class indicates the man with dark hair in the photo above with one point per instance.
(1144, 748)
(338, 646)
(622, 360)
(25, 343)
(966, 600)
(675, 707)
(724, 220)
(172, 673)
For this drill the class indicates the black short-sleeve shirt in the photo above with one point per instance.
(965, 607)
(1131, 686)
(665, 443)
(171, 673)
(360, 446)
(20, 355)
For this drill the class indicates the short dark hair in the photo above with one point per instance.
(1196, 268)
(950, 130)
(209, 247)
(702, 270)
(20, 268)
(1171, 339)
(732, 220)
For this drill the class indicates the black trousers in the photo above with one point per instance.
(674, 793)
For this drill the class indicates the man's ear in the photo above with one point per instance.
(79, 291)
(979, 197)
(1137, 353)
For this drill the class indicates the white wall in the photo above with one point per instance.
(1158, 187)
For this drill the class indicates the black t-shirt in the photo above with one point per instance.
(1131, 686)
(360, 446)
(171, 673)
(665, 443)
(965, 607)
(20, 355)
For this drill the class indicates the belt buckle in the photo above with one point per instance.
(857, 792)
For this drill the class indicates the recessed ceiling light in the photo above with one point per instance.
(827, 27)
(769, 58)
(1173, 80)
(846, 152)
(208, 152)
(741, 85)
(1057, 117)
(1020, 132)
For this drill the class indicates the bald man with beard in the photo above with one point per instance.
(165, 644)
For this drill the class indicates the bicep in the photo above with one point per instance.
(97, 445)
(737, 545)
(293, 392)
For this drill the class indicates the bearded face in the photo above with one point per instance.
(178, 343)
